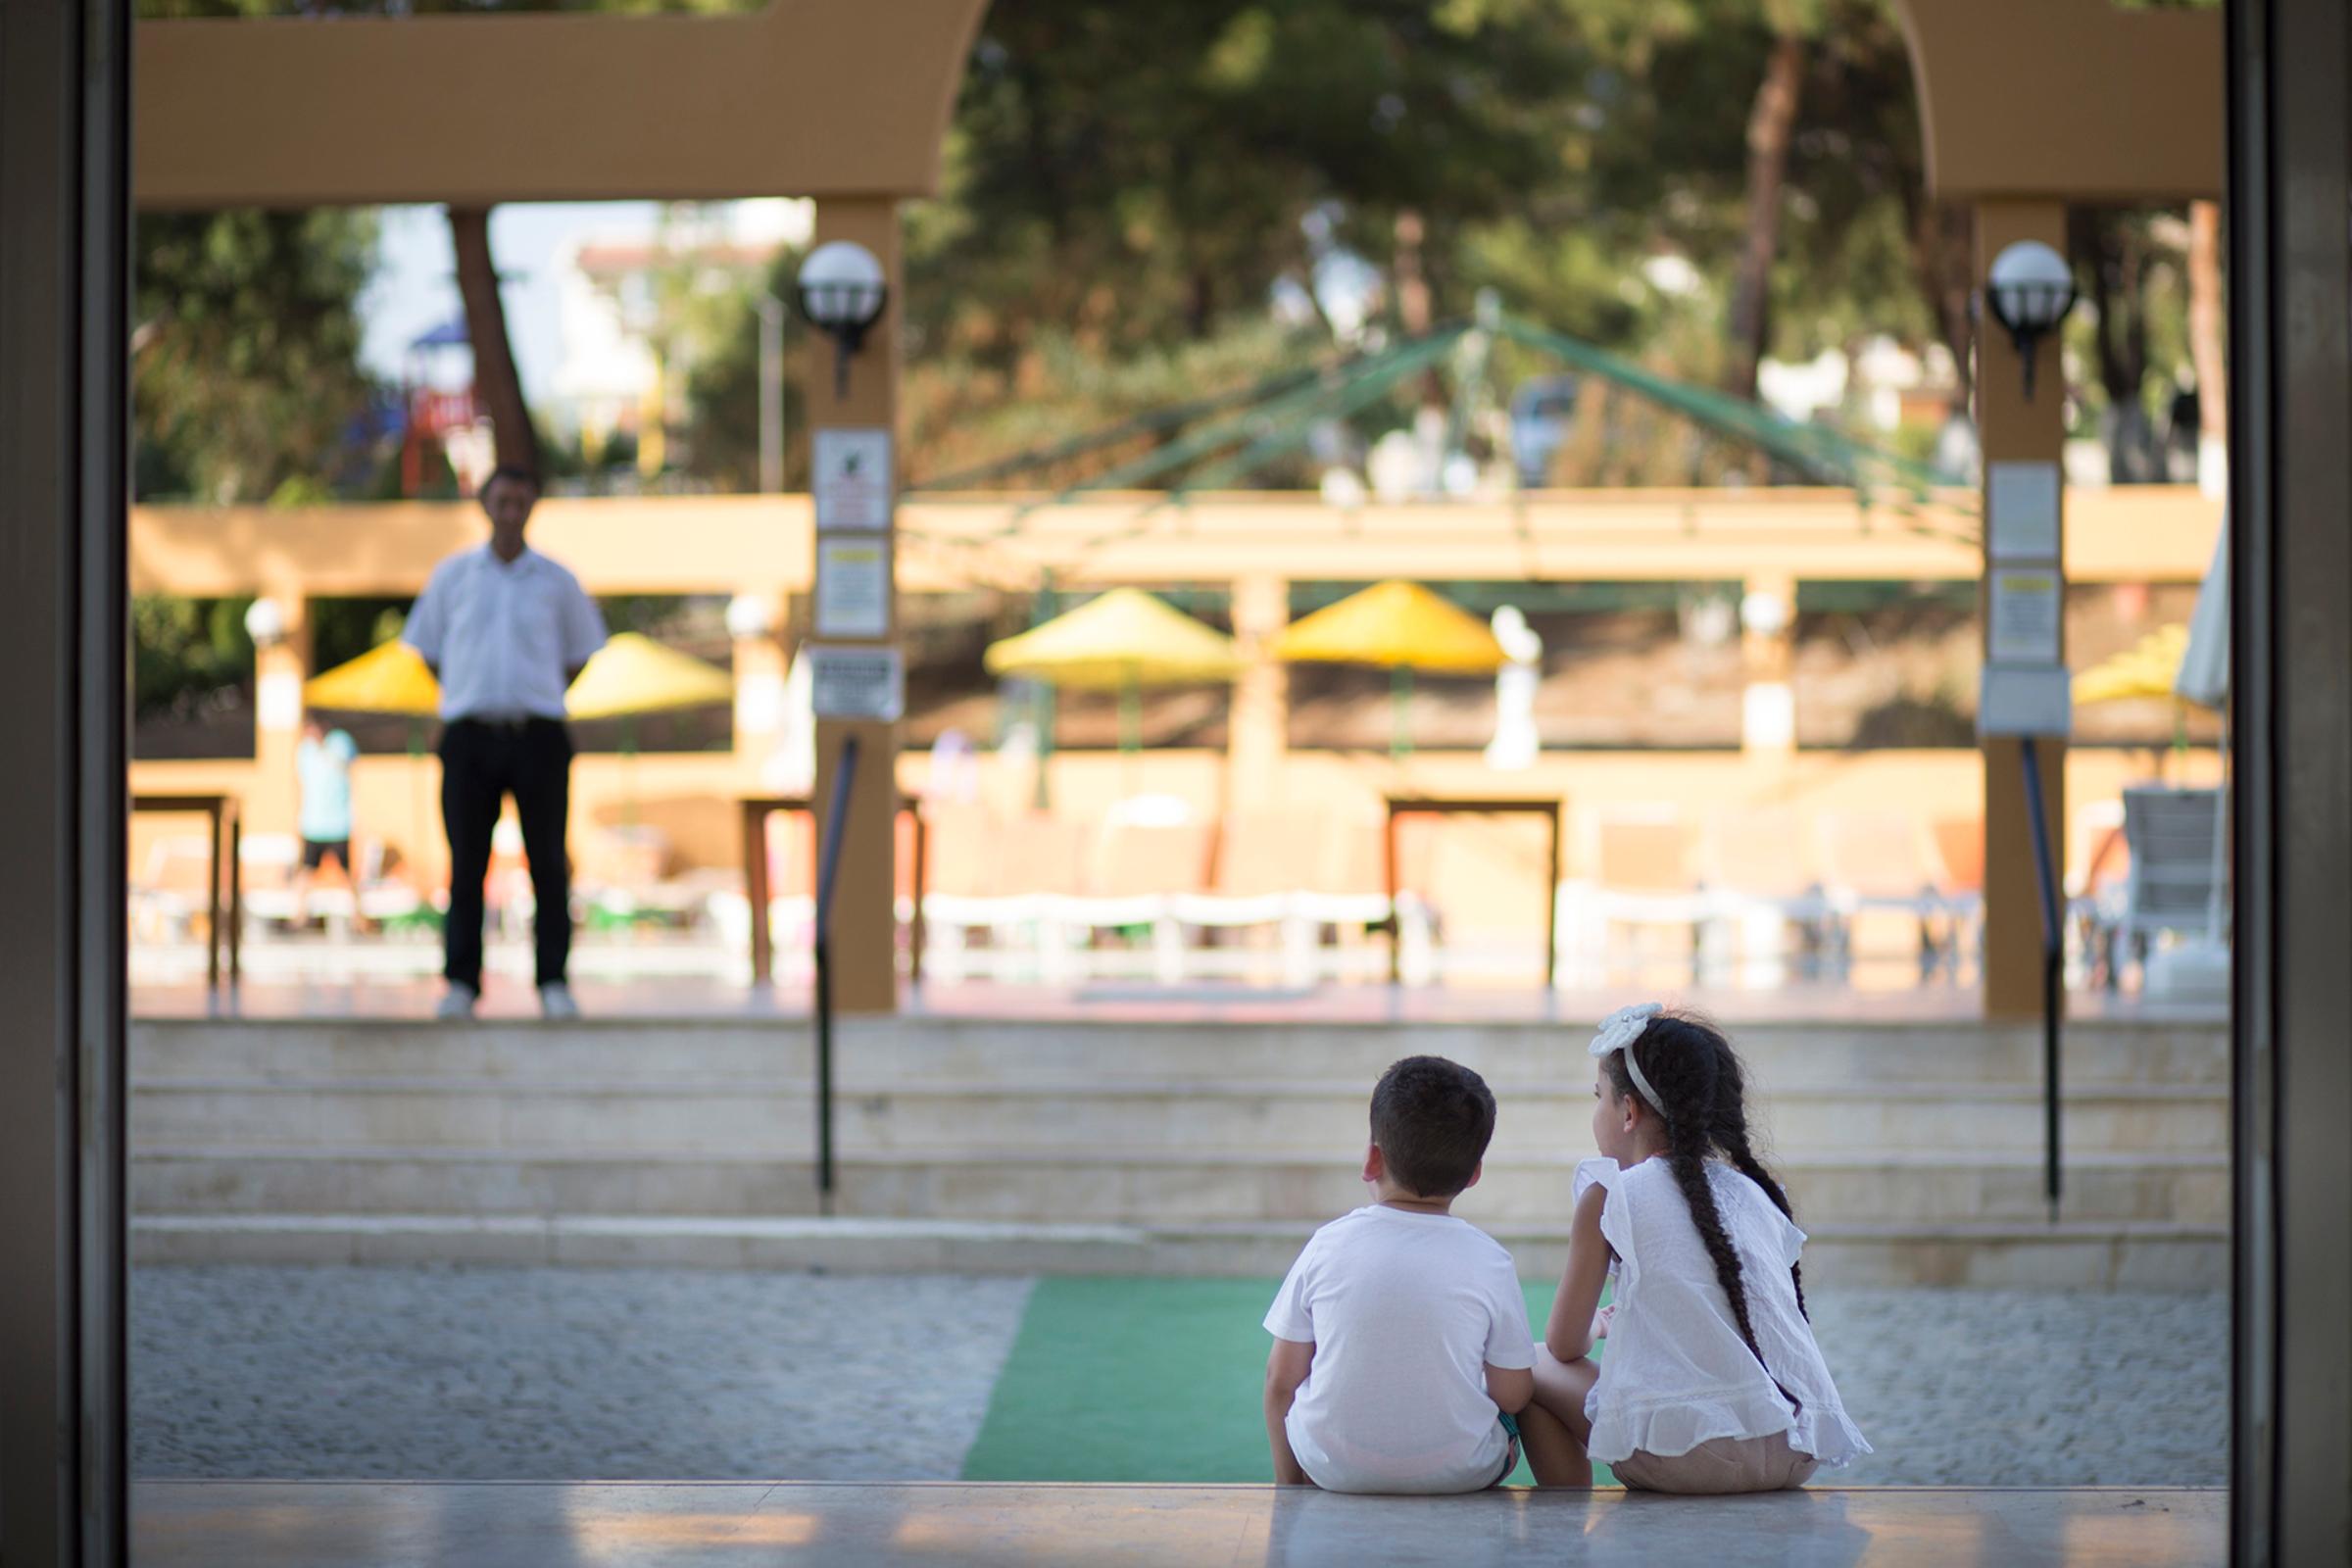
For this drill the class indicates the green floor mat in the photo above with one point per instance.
(1141, 1380)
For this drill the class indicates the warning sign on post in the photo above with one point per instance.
(2026, 622)
(856, 682)
(852, 587)
(853, 484)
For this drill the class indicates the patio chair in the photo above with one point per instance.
(175, 891)
(1268, 864)
(2176, 880)
(266, 864)
(1643, 878)
(1136, 872)
(1761, 882)
(1356, 904)
(1960, 865)
(1007, 876)
(2097, 888)
(386, 892)
(1881, 862)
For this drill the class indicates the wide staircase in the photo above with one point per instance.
(1913, 1151)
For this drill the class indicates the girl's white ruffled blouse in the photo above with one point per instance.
(1675, 1372)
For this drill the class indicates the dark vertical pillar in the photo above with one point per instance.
(2290, 113)
(64, 245)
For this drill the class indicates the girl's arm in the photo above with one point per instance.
(1569, 1334)
(1286, 1369)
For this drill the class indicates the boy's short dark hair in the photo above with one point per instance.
(509, 471)
(1432, 1120)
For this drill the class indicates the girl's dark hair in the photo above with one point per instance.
(1698, 1074)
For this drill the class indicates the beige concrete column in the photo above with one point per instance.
(1259, 732)
(755, 624)
(1768, 650)
(272, 804)
(865, 906)
(2012, 429)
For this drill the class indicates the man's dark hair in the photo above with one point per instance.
(1432, 1120)
(507, 470)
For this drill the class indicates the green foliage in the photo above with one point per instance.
(186, 653)
(245, 367)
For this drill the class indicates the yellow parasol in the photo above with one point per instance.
(1120, 641)
(634, 674)
(1124, 637)
(1401, 628)
(2146, 669)
(387, 679)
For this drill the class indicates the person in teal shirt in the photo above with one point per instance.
(322, 770)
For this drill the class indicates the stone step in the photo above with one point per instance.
(2072, 1256)
(1309, 1118)
(1053, 1052)
(1116, 1186)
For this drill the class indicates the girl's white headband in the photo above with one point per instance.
(1618, 1032)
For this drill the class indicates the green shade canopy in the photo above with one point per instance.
(1395, 626)
(635, 674)
(1120, 639)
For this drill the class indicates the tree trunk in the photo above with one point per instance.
(1942, 249)
(497, 387)
(1416, 309)
(2205, 349)
(2117, 265)
(1771, 127)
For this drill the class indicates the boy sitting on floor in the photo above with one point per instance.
(1402, 1348)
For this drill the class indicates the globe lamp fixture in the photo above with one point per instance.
(2031, 290)
(266, 622)
(842, 293)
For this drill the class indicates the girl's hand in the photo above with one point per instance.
(1602, 1320)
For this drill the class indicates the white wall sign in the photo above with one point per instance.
(852, 587)
(2022, 500)
(2025, 621)
(853, 481)
(2032, 699)
(857, 682)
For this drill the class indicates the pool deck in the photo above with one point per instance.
(692, 997)
(204, 1524)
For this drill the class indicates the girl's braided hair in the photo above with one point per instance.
(1698, 1074)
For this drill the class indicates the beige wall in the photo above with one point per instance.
(2141, 533)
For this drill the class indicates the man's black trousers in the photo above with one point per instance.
(482, 761)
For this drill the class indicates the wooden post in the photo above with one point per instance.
(1259, 732)
(274, 800)
(865, 926)
(2015, 430)
(1768, 655)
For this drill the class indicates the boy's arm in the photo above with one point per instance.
(1286, 1370)
(1511, 1389)
(1569, 1334)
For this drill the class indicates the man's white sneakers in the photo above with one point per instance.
(456, 1002)
(556, 1003)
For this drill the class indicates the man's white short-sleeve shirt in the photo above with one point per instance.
(504, 634)
(1406, 1311)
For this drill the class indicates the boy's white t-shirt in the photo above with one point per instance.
(1406, 1311)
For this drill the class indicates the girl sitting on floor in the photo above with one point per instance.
(1712, 1382)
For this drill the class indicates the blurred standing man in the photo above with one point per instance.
(506, 630)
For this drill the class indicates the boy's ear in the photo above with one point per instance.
(1476, 1171)
(1374, 1166)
